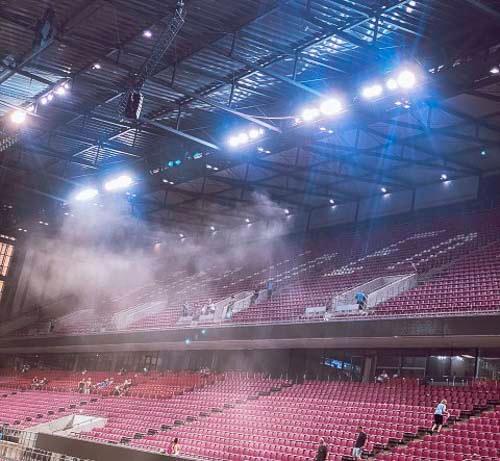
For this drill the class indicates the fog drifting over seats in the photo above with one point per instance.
(102, 252)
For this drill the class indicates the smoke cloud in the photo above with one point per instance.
(101, 253)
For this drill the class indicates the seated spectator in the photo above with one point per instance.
(87, 387)
(383, 377)
(174, 449)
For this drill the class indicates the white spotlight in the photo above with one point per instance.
(332, 202)
(495, 70)
(392, 84)
(96, 66)
(212, 228)
(50, 97)
(121, 182)
(147, 34)
(247, 220)
(67, 86)
(60, 90)
(407, 79)
(444, 177)
(44, 100)
(331, 106)
(234, 141)
(383, 190)
(86, 194)
(372, 91)
(254, 133)
(309, 114)
(18, 117)
(181, 236)
(242, 138)
(287, 211)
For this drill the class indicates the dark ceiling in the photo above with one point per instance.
(248, 63)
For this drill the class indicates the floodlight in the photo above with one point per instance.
(18, 116)
(86, 194)
(372, 91)
(331, 106)
(121, 182)
(310, 114)
(406, 79)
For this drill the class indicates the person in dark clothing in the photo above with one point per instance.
(357, 450)
(322, 453)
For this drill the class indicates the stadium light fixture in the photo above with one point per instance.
(44, 101)
(121, 182)
(310, 113)
(86, 194)
(495, 70)
(392, 84)
(287, 211)
(60, 90)
(372, 91)
(50, 97)
(181, 236)
(247, 220)
(96, 66)
(18, 117)
(330, 106)
(212, 228)
(483, 153)
(383, 190)
(244, 137)
(147, 34)
(332, 202)
(406, 79)
(444, 177)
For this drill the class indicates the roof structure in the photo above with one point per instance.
(251, 64)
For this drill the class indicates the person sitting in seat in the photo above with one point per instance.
(175, 448)
(382, 377)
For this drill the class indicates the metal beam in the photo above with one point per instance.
(182, 134)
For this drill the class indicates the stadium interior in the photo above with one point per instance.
(250, 230)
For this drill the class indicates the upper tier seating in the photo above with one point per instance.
(445, 251)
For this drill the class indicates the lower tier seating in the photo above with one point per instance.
(475, 439)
